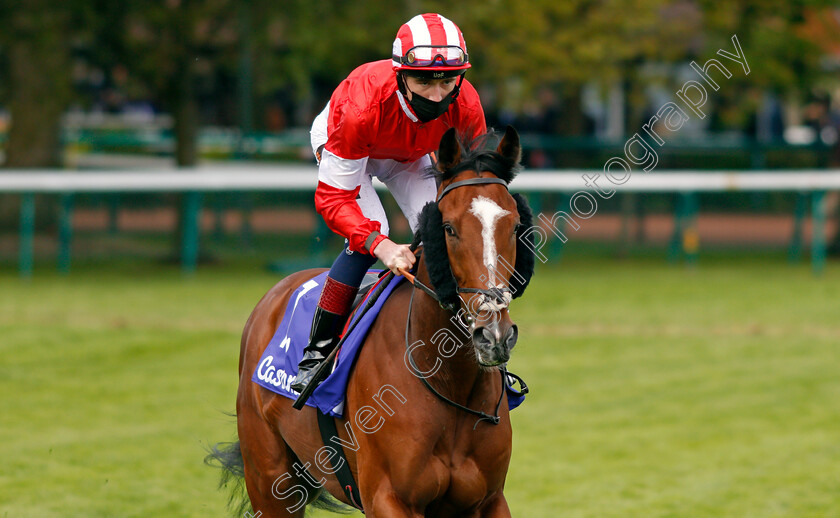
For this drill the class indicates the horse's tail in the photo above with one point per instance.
(228, 457)
(324, 500)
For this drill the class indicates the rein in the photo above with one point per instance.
(495, 419)
(429, 291)
(501, 296)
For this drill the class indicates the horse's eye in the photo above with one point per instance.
(449, 229)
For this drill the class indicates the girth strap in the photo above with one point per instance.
(326, 424)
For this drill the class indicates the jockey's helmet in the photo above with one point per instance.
(430, 45)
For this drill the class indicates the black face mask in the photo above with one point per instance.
(427, 110)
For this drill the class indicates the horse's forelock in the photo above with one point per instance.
(479, 154)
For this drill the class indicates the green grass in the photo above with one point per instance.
(657, 391)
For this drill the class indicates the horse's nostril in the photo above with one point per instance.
(483, 337)
(511, 336)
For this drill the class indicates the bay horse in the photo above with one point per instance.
(418, 424)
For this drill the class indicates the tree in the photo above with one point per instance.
(36, 41)
(170, 45)
(301, 45)
(522, 46)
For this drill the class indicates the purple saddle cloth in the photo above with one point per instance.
(278, 366)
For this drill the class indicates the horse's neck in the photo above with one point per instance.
(440, 332)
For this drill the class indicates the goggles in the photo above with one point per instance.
(430, 56)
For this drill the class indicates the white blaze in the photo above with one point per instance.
(488, 213)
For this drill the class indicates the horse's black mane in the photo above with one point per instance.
(479, 154)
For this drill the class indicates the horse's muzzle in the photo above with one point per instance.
(493, 342)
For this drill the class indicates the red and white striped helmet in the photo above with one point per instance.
(430, 42)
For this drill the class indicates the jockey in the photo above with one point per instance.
(384, 120)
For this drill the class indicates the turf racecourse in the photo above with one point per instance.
(657, 391)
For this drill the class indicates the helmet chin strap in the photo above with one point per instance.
(457, 90)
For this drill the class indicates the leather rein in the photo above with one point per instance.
(498, 294)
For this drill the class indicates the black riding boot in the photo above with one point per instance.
(326, 327)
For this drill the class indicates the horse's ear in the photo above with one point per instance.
(449, 153)
(509, 146)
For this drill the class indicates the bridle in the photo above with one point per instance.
(501, 298)
(496, 298)
(470, 181)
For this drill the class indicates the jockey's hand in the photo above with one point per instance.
(394, 256)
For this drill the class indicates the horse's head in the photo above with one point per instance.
(476, 254)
